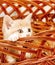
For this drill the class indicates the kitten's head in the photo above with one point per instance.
(21, 26)
(25, 26)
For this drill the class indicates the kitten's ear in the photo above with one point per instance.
(7, 21)
(28, 18)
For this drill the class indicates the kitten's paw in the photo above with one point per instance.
(13, 37)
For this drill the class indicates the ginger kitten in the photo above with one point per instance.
(15, 29)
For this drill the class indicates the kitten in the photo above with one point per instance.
(15, 29)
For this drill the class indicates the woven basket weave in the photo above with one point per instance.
(44, 19)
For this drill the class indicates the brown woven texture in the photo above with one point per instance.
(44, 53)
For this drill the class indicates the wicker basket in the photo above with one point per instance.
(44, 20)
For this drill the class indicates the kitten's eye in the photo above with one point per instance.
(29, 30)
(20, 31)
